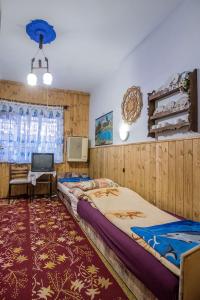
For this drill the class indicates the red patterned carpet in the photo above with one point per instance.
(45, 255)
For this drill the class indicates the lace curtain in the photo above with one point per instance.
(28, 128)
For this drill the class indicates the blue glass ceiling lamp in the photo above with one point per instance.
(42, 33)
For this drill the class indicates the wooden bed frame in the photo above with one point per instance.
(189, 286)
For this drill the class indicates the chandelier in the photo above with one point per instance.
(42, 33)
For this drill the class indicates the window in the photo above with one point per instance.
(28, 128)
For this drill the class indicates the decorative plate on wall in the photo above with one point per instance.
(132, 104)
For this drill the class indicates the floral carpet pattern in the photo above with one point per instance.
(45, 255)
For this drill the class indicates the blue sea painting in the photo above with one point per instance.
(104, 130)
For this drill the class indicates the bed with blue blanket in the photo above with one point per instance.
(74, 179)
(171, 240)
(126, 216)
(64, 191)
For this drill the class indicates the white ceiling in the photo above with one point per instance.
(93, 36)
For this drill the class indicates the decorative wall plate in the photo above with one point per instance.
(132, 104)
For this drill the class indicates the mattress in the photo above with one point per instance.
(163, 283)
(73, 200)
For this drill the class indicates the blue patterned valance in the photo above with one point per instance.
(26, 128)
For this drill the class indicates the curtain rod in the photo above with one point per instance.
(31, 103)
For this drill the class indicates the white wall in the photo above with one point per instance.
(171, 48)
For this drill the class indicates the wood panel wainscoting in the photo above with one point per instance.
(75, 120)
(166, 173)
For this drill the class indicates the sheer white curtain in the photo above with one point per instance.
(28, 128)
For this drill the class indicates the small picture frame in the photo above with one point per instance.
(104, 129)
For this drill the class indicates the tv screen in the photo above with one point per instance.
(42, 162)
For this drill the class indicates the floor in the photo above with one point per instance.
(47, 256)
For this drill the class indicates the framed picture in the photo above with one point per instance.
(104, 129)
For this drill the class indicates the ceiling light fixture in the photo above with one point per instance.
(42, 33)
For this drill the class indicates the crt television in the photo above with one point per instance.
(42, 162)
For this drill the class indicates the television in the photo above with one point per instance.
(42, 162)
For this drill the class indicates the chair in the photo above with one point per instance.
(19, 176)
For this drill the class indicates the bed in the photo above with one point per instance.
(146, 277)
(68, 198)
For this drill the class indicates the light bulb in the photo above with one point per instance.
(47, 78)
(31, 79)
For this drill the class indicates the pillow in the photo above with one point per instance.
(104, 183)
(70, 184)
(78, 193)
(87, 185)
(91, 184)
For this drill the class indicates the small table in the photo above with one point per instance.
(33, 176)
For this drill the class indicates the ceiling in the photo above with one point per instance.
(93, 36)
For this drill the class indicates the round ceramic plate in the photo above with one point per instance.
(132, 104)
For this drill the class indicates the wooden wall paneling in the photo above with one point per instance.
(99, 170)
(179, 177)
(105, 156)
(107, 162)
(38, 95)
(137, 152)
(97, 160)
(119, 165)
(130, 166)
(84, 115)
(77, 129)
(162, 174)
(135, 156)
(140, 169)
(92, 164)
(143, 168)
(120, 158)
(101, 162)
(128, 175)
(196, 177)
(76, 116)
(152, 174)
(4, 178)
(188, 179)
(111, 158)
(147, 172)
(166, 173)
(158, 174)
(132, 176)
(67, 132)
(171, 204)
(145, 158)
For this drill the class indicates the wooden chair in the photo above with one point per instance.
(19, 176)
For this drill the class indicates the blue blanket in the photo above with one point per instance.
(73, 179)
(171, 240)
